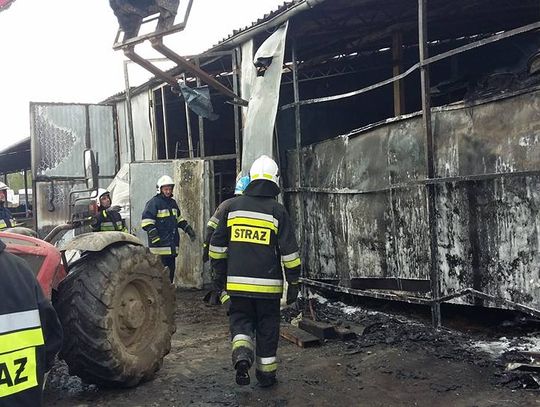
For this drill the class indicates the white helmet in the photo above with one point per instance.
(164, 180)
(3, 187)
(264, 168)
(100, 193)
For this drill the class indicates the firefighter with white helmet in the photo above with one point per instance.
(6, 218)
(253, 242)
(215, 296)
(161, 219)
(108, 219)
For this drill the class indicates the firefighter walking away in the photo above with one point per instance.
(254, 237)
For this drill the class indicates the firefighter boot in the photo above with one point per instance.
(242, 373)
(266, 379)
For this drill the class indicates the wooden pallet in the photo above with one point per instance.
(299, 337)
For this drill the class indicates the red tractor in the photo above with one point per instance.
(115, 301)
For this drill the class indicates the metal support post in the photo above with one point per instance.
(299, 168)
(129, 114)
(397, 61)
(430, 162)
(188, 126)
(237, 147)
(165, 132)
(201, 124)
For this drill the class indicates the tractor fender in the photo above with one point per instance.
(97, 241)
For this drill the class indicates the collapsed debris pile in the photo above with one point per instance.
(514, 365)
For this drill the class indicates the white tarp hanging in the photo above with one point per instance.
(119, 189)
(263, 103)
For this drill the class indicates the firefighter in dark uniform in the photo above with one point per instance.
(6, 219)
(108, 219)
(253, 239)
(213, 297)
(161, 219)
(30, 334)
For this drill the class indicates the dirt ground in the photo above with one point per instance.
(395, 362)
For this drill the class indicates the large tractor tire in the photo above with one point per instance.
(117, 309)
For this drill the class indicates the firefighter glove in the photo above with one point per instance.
(114, 208)
(292, 293)
(191, 233)
(153, 236)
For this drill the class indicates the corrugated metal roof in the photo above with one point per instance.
(268, 16)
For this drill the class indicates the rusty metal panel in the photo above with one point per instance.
(103, 138)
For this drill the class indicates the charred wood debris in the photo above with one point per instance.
(313, 323)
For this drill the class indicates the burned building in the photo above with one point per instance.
(407, 133)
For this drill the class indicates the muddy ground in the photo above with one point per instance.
(396, 361)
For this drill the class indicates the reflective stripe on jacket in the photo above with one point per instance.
(109, 221)
(254, 238)
(213, 224)
(6, 218)
(161, 219)
(30, 333)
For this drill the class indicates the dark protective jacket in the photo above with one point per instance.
(30, 334)
(161, 219)
(212, 225)
(108, 221)
(6, 218)
(254, 237)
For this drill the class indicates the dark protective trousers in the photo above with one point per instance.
(170, 262)
(255, 318)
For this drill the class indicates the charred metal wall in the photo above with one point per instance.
(365, 201)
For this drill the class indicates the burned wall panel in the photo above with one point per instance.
(502, 136)
(324, 164)
(457, 236)
(321, 240)
(408, 234)
(366, 162)
(365, 231)
(509, 238)
(487, 228)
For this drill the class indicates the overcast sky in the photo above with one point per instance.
(61, 51)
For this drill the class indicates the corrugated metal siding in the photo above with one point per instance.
(102, 138)
(58, 140)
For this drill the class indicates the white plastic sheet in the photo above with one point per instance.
(263, 103)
